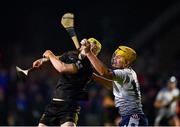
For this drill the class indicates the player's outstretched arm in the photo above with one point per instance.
(39, 62)
(60, 66)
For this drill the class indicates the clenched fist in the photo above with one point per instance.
(85, 48)
(37, 63)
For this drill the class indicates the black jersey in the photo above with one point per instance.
(71, 86)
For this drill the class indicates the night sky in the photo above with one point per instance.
(35, 25)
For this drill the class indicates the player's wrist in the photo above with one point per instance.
(88, 53)
(43, 60)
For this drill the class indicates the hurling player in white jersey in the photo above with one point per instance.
(166, 102)
(124, 81)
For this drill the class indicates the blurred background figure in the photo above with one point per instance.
(166, 102)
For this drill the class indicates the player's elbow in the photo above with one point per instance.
(60, 69)
(105, 74)
(102, 72)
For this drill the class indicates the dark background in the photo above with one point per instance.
(28, 28)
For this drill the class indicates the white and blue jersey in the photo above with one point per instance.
(128, 97)
(166, 96)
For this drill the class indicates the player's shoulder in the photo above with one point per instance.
(68, 53)
(69, 56)
(126, 71)
(130, 71)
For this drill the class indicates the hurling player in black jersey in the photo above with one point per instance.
(74, 72)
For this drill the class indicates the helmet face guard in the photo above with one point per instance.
(127, 54)
(117, 52)
(96, 45)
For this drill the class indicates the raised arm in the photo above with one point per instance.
(97, 64)
(60, 66)
(39, 62)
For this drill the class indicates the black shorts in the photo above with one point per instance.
(57, 113)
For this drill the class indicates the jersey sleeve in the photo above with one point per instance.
(121, 76)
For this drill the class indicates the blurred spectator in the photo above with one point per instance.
(166, 102)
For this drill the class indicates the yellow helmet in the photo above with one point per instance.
(127, 53)
(97, 44)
